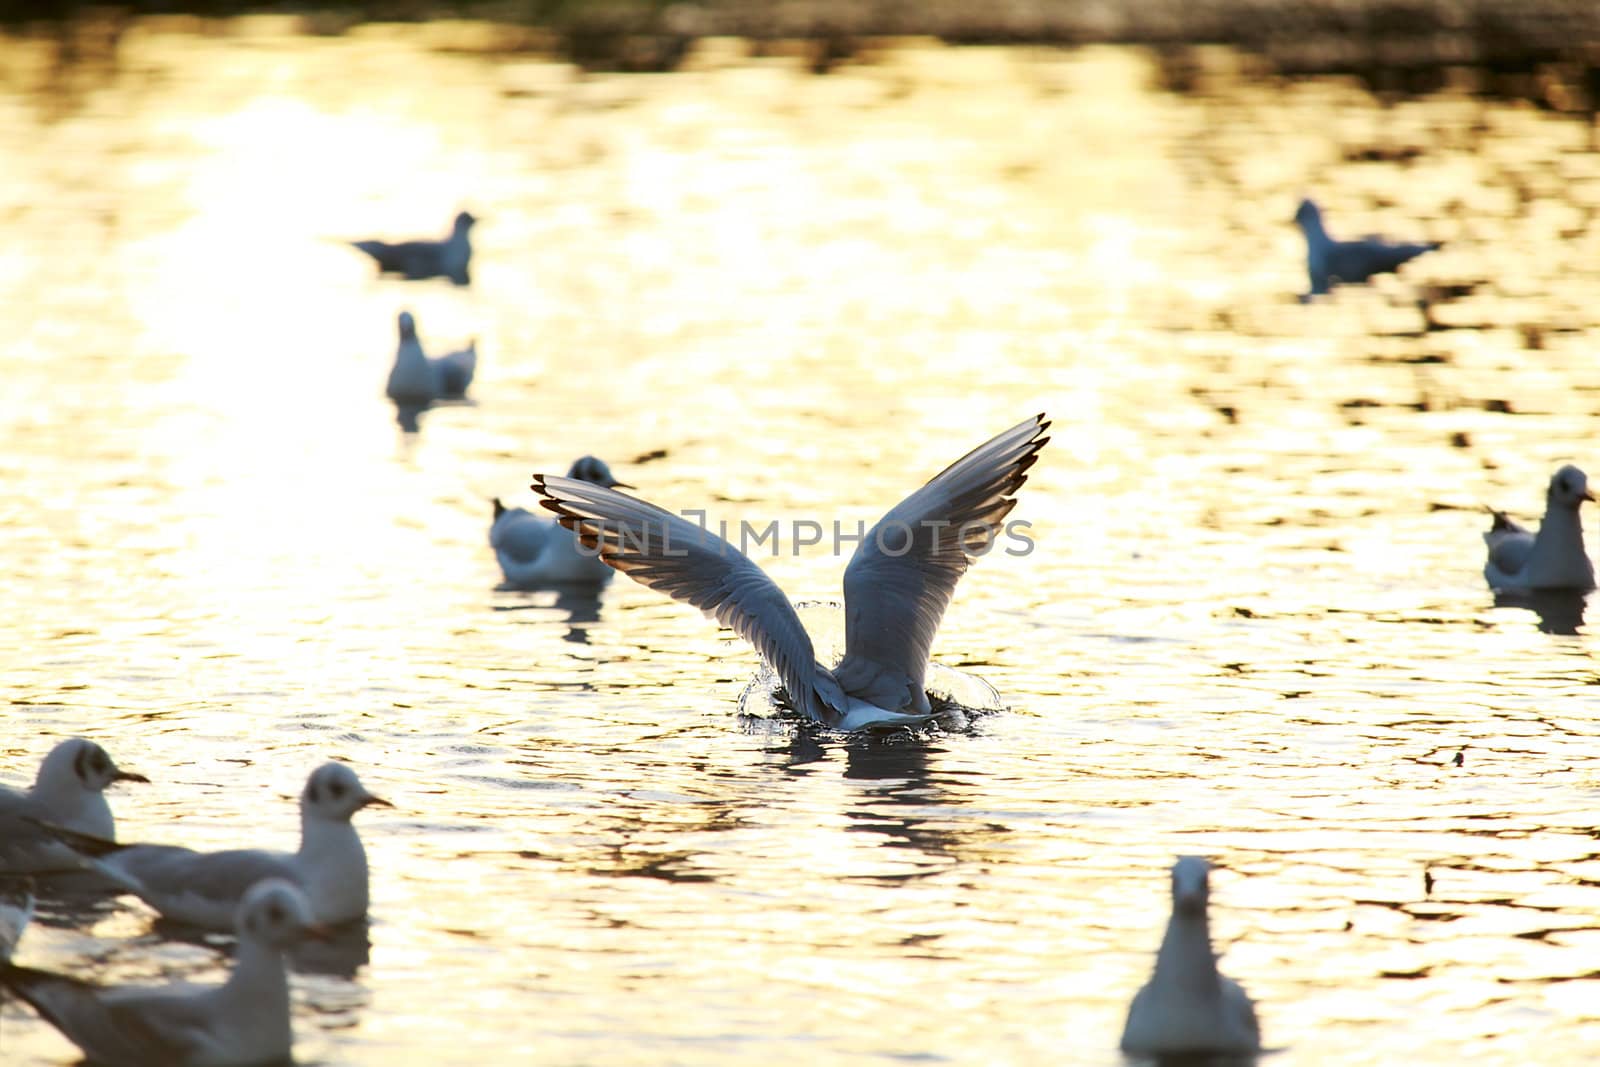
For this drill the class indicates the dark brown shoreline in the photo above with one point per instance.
(1547, 51)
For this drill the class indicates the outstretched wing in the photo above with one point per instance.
(672, 555)
(900, 579)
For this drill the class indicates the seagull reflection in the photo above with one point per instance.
(906, 803)
(581, 605)
(1560, 611)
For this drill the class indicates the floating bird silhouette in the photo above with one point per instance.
(535, 551)
(1188, 1007)
(1553, 558)
(1330, 262)
(204, 888)
(896, 587)
(417, 380)
(448, 258)
(69, 791)
(244, 1021)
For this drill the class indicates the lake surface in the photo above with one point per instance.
(1254, 625)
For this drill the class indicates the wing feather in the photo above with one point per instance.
(671, 555)
(903, 573)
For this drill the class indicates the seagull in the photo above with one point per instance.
(535, 551)
(204, 888)
(244, 1021)
(1187, 1007)
(68, 792)
(896, 587)
(1554, 557)
(1330, 262)
(416, 380)
(426, 259)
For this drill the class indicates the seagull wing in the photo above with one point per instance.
(903, 573)
(687, 562)
(203, 888)
(142, 1027)
(520, 536)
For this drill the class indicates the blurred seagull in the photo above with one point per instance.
(1331, 262)
(1553, 558)
(68, 792)
(426, 259)
(535, 551)
(244, 1021)
(204, 888)
(416, 380)
(1187, 1007)
(896, 587)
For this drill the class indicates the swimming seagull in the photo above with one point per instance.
(896, 587)
(1187, 1007)
(535, 551)
(417, 380)
(1553, 558)
(68, 792)
(244, 1021)
(427, 259)
(1331, 262)
(204, 888)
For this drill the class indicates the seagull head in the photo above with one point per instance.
(274, 912)
(1189, 886)
(333, 793)
(408, 327)
(1308, 215)
(464, 221)
(1569, 487)
(595, 472)
(78, 765)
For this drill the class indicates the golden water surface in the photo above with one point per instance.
(1254, 625)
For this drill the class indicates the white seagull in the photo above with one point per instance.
(896, 587)
(68, 792)
(204, 888)
(1553, 558)
(535, 551)
(416, 380)
(243, 1022)
(427, 259)
(1330, 262)
(1188, 1007)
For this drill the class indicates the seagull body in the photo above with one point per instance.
(68, 792)
(243, 1022)
(896, 587)
(204, 888)
(1330, 262)
(1188, 1007)
(535, 551)
(416, 380)
(448, 258)
(1552, 558)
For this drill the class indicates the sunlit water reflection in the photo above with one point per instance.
(1254, 626)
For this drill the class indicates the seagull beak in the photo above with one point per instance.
(622, 485)
(369, 801)
(129, 776)
(319, 932)
(1588, 494)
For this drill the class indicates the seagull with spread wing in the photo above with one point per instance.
(896, 586)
